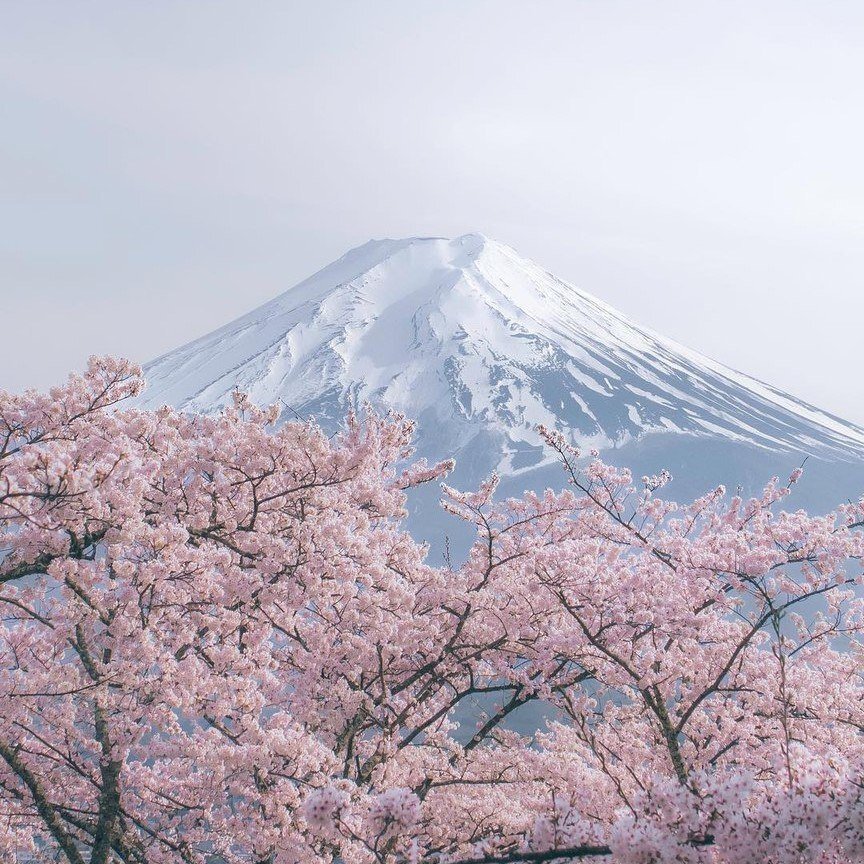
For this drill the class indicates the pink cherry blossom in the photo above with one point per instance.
(219, 644)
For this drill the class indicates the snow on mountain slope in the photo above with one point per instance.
(480, 344)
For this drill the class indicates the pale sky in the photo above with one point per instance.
(166, 166)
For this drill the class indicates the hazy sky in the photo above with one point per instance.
(165, 166)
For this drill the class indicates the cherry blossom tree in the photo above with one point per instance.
(219, 644)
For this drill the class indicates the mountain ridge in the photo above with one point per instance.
(467, 336)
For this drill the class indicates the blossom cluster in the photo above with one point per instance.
(219, 645)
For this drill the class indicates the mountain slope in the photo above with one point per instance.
(480, 346)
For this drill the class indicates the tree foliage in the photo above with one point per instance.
(218, 644)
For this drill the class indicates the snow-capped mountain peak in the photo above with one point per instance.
(476, 342)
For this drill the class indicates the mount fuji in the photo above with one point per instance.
(480, 345)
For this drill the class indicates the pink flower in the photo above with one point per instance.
(322, 807)
(394, 809)
(219, 641)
